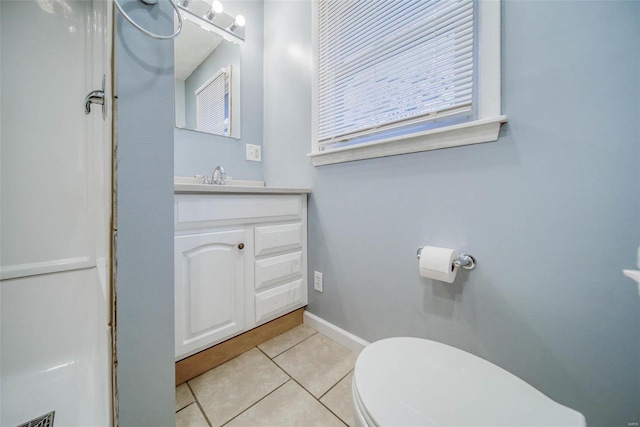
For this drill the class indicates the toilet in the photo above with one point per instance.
(418, 382)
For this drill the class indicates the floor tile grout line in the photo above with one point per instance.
(327, 392)
(278, 365)
(260, 400)
(323, 394)
(191, 394)
(337, 382)
(334, 414)
(309, 391)
(275, 363)
(289, 348)
(290, 378)
(303, 387)
(308, 338)
(257, 401)
(185, 407)
(262, 351)
(297, 382)
(318, 400)
(197, 402)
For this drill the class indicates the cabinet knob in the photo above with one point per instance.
(241, 246)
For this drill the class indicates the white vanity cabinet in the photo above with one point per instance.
(240, 261)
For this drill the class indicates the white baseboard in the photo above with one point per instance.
(339, 335)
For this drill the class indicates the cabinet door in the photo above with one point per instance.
(209, 288)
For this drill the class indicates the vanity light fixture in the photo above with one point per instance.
(238, 22)
(216, 8)
(223, 23)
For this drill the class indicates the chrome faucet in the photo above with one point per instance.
(218, 176)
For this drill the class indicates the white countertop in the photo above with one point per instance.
(237, 189)
(184, 184)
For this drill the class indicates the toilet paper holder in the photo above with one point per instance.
(466, 261)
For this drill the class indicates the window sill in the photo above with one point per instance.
(476, 132)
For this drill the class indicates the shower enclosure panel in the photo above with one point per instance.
(55, 209)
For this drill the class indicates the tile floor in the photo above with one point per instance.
(299, 378)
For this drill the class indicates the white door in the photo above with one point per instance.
(55, 209)
(210, 284)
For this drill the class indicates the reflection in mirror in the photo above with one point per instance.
(207, 71)
(213, 113)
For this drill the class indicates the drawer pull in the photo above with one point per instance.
(241, 246)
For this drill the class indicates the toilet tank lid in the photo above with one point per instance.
(413, 381)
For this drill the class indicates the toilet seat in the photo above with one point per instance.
(412, 381)
(360, 414)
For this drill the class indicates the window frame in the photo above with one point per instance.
(485, 128)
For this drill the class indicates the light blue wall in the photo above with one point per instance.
(287, 93)
(144, 201)
(199, 153)
(551, 210)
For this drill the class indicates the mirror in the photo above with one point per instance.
(207, 70)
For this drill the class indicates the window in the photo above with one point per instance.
(212, 104)
(400, 76)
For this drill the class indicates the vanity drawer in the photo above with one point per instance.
(272, 270)
(201, 210)
(272, 301)
(277, 238)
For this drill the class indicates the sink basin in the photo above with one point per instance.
(228, 181)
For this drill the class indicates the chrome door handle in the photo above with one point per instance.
(96, 97)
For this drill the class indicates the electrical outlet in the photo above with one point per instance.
(254, 153)
(317, 281)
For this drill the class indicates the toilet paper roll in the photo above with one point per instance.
(437, 264)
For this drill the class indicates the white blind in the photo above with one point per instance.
(212, 105)
(387, 64)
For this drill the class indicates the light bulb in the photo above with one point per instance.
(216, 6)
(238, 22)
